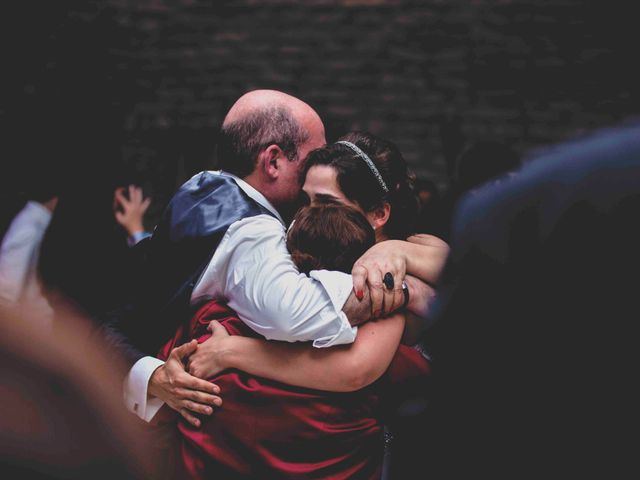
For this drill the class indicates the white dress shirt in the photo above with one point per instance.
(19, 254)
(252, 271)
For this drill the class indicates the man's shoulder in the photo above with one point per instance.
(258, 226)
(206, 204)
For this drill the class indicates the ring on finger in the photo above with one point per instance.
(388, 280)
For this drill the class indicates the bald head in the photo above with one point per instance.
(260, 100)
(263, 117)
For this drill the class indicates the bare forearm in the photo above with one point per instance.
(421, 297)
(424, 260)
(339, 369)
(358, 311)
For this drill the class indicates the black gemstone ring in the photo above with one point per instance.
(388, 280)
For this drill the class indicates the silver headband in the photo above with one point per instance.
(369, 163)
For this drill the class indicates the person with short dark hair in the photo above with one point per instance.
(328, 236)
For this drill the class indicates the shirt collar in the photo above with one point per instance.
(256, 195)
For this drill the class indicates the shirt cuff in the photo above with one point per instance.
(338, 286)
(135, 389)
(136, 237)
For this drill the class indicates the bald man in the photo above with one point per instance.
(222, 236)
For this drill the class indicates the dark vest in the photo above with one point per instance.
(172, 260)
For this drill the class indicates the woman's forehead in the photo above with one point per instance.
(322, 179)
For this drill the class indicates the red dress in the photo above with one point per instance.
(266, 429)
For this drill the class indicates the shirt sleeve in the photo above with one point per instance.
(135, 389)
(253, 271)
(136, 237)
(18, 257)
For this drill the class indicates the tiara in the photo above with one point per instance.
(369, 163)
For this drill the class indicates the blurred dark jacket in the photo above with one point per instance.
(534, 355)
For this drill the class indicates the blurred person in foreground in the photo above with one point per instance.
(534, 350)
(61, 412)
(479, 163)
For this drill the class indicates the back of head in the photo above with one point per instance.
(258, 119)
(360, 184)
(328, 235)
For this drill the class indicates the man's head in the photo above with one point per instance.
(265, 139)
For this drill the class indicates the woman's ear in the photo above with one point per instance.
(379, 216)
(268, 161)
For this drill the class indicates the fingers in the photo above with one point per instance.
(185, 350)
(217, 329)
(397, 299)
(193, 402)
(195, 369)
(135, 198)
(135, 194)
(385, 300)
(189, 418)
(199, 400)
(118, 199)
(189, 409)
(119, 195)
(359, 276)
(194, 383)
(376, 291)
(199, 408)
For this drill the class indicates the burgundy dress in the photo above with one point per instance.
(267, 429)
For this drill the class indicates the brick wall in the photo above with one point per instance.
(428, 75)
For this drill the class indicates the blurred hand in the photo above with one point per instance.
(370, 269)
(129, 212)
(180, 390)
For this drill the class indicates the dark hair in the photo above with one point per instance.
(328, 235)
(359, 184)
(240, 142)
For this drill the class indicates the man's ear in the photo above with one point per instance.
(268, 160)
(379, 216)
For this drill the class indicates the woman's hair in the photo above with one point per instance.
(328, 236)
(359, 183)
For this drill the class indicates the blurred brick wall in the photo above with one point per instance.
(428, 75)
